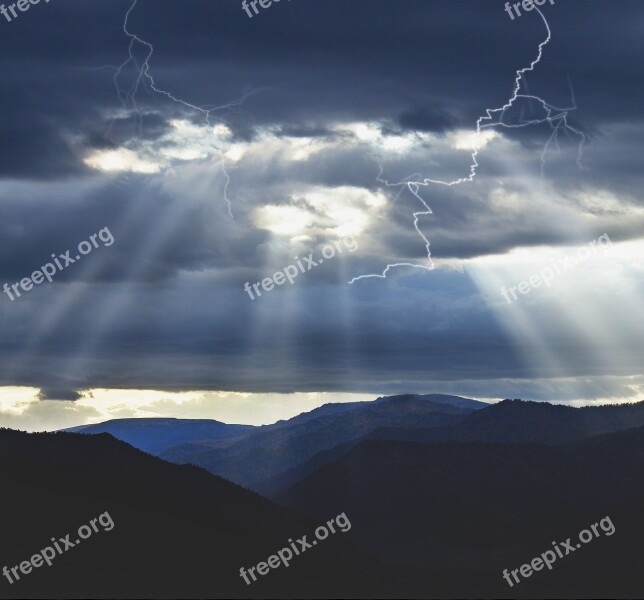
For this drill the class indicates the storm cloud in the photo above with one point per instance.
(239, 144)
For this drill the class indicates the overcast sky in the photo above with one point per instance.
(214, 148)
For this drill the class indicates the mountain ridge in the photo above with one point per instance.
(272, 450)
(178, 532)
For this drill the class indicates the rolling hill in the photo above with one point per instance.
(272, 450)
(179, 532)
(517, 421)
(157, 435)
(477, 508)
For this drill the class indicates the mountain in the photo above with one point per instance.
(516, 421)
(270, 451)
(272, 485)
(466, 511)
(339, 408)
(157, 435)
(177, 531)
(454, 401)
(435, 517)
(192, 441)
(326, 410)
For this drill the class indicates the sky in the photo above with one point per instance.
(207, 151)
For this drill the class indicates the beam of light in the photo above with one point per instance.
(73, 294)
(110, 307)
(555, 117)
(582, 327)
(290, 309)
(278, 310)
(70, 297)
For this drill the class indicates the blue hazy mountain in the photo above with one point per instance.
(251, 455)
(456, 401)
(476, 491)
(157, 435)
(272, 450)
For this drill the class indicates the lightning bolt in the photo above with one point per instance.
(555, 117)
(128, 97)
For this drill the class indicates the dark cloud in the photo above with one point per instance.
(164, 307)
(117, 131)
(426, 118)
(60, 394)
(306, 131)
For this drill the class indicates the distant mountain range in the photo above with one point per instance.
(251, 456)
(517, 421)
(443, 494)
(179, 532)
(157, 435)
(477, 508)
(271, 451)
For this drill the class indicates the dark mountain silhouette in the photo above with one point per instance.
(271, 486)
(510, 421)
(270, 451)
(516, 421)
(340, 408)
(179, 531)
(466, 511)
(326, 410)
(157, 435)
(186, 436)
(457, 401)
(479, 491)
